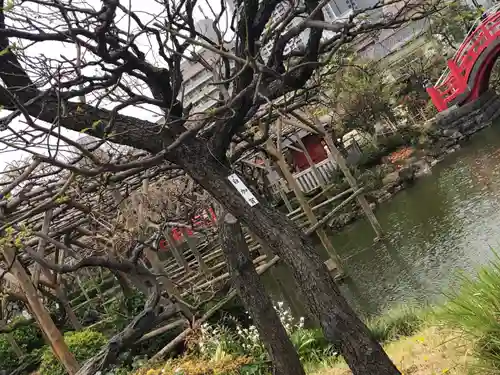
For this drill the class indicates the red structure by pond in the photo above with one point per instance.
(468, 73)
(204, 220)
(315, 148)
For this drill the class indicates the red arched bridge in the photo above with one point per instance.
(468, 72)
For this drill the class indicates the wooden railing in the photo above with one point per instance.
(308, 180)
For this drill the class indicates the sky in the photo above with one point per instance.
(144, 9)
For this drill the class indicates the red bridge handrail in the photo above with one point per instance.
(454, 80)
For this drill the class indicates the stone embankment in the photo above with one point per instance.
(450, 129)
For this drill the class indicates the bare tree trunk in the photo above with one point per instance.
(256, 300)
(339, 322)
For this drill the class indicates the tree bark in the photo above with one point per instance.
(256, 300)
(340, 324)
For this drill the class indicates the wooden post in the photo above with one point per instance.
(15, 347)
(264, 249)
(179, 257)
(61, 294)
(42, 316)
(9, 336)
(280, 161)
(318, 175)
(39, 268)
(339, 159)
(281, 192)
(194, 249)
(167, 284)
(41, 244)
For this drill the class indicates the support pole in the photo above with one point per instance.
(59, 291)
(179, 257)
(194, 249)
(339, 159)
(13, 344)
(41, 315)
(9, 336)
(166, 283)
(280, 161)
(280, 188)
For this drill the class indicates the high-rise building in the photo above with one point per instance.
(206, 28)
(198, 88)
(198, 82)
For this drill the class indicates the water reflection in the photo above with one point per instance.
(447, 222)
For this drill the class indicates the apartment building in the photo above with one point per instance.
(198, 86)
(200, 91)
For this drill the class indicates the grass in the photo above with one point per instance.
(398, 322)
(431, 351)
(460, 337)
(474, 308)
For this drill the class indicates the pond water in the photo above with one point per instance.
(447, 223)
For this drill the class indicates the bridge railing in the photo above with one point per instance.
(453, 81)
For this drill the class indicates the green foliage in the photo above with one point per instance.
(8, 358)
(360, 96)
(396, 323)
(83, 344)
(392, 142)
(311, 345)
(372, 156)
(221, 339)
(29, 339)
(450, 26)
(188, 365)
(474, 308)
(371, 179)
(123, 309)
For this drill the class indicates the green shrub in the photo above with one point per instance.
(372, 156)
(8, 358)
(399, 322)
(474, 308)
(391, 142)
(311, 345)
(83, 344)
(28, 337)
